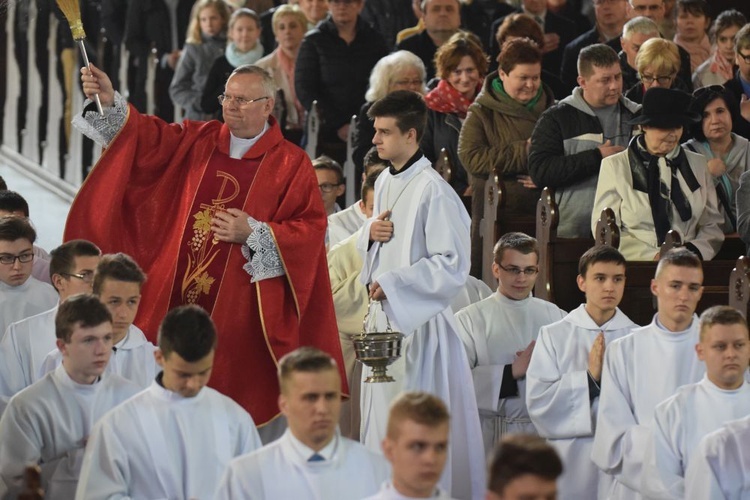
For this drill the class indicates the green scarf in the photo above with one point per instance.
(497, 86)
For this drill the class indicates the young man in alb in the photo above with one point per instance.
(698, 409)
(174, 439)
(644, 368)
(499, 334)
(563, 382)
(416, 260)
(523, 467)
(49, 422)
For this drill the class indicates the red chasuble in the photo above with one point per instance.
(152, 196)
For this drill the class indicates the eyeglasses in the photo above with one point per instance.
(663, 80)
(517, 271)
(241, 101)
(410, 83)
(86, 276)
(9, 260)
(327, 187)
(744, 57)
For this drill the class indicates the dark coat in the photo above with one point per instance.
(740, 126)
(442, 131)
(423, 47)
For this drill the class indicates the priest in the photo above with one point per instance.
(224, 216)
(563, 382)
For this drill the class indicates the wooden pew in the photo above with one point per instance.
(443, 166)
(739, 285)
(312, 131)
(350, 170)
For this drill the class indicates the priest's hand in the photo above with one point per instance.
(521, 363)
(376, 292)
(96, 81)
(596, 357)
(231, 225)
(382, 229)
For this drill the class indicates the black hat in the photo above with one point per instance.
(665, 108)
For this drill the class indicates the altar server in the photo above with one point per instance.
(311, 460)
(174, 439)
(49, 422)
(416, 260)
(499, 334)
(644, 368)
(563, 382)
(699, 409)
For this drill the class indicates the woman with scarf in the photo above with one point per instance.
(727, 154)
(289, 28)
(243, 48)
(656, 185)
(461, 64)
(495, 136)
(719, 67)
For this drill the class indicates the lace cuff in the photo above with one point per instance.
(102, 129)
(263, 260)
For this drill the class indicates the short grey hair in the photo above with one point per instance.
(269, 84)
(641, 25)
(384, 72)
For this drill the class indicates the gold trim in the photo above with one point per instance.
(263, 324)
(286, 273)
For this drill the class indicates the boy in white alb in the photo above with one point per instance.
(117, 283)
(49, 422)
(311, 460)
(563, 382)
(416, 446)
(696, 410)
(12, 203)
(21, 295)
(27, 342)
(416, 260)
(174, 439)
(499, 334)
(646, 367)
(523, 466)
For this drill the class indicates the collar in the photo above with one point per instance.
(61, 374)
(239, 146)
(160, 392)
(414, 159)
(132, 339)
(581, 319)
(729, 392)
(661, 328)
(304, 452)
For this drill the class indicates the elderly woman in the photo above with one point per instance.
(495, 134)
(400, 70)
(289, 27)
(657, 62)
(461, 65)
(719, 66)
(656, 185)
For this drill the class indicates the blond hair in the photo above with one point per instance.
(194, 34)
(661, 55)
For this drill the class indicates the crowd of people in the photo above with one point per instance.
(193, 335)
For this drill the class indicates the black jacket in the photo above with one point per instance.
(335, 73)
(740, 126)
(423, 47)
(388, 17)
(442, 131)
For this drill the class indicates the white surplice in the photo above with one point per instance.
(720, 467)
(132, 358)
(493, 331)
(49, 422)
(160, 445)
(23, 301)
(640, 371)
(558, 400)
(680, 423)
(345, 223)
(388, 492)
(22, 350)
(421, 270)
(282, 470)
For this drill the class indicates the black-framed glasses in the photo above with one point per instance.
(744, 57)
(663, 80)
(327, 187)
(517, 271)
(9, 260)
(241, 101)
(86, 276)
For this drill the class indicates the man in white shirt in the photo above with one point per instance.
(117, 283)
(12, 203)
(49, 422)
(524, 466)
(311, 460)
(499, 334)
(174, 439)
(720, 467)
(21, 295)
(699, 409)
(415, 262)
(27, 342)
(646, 367)
(416, 446)
(563, 382)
